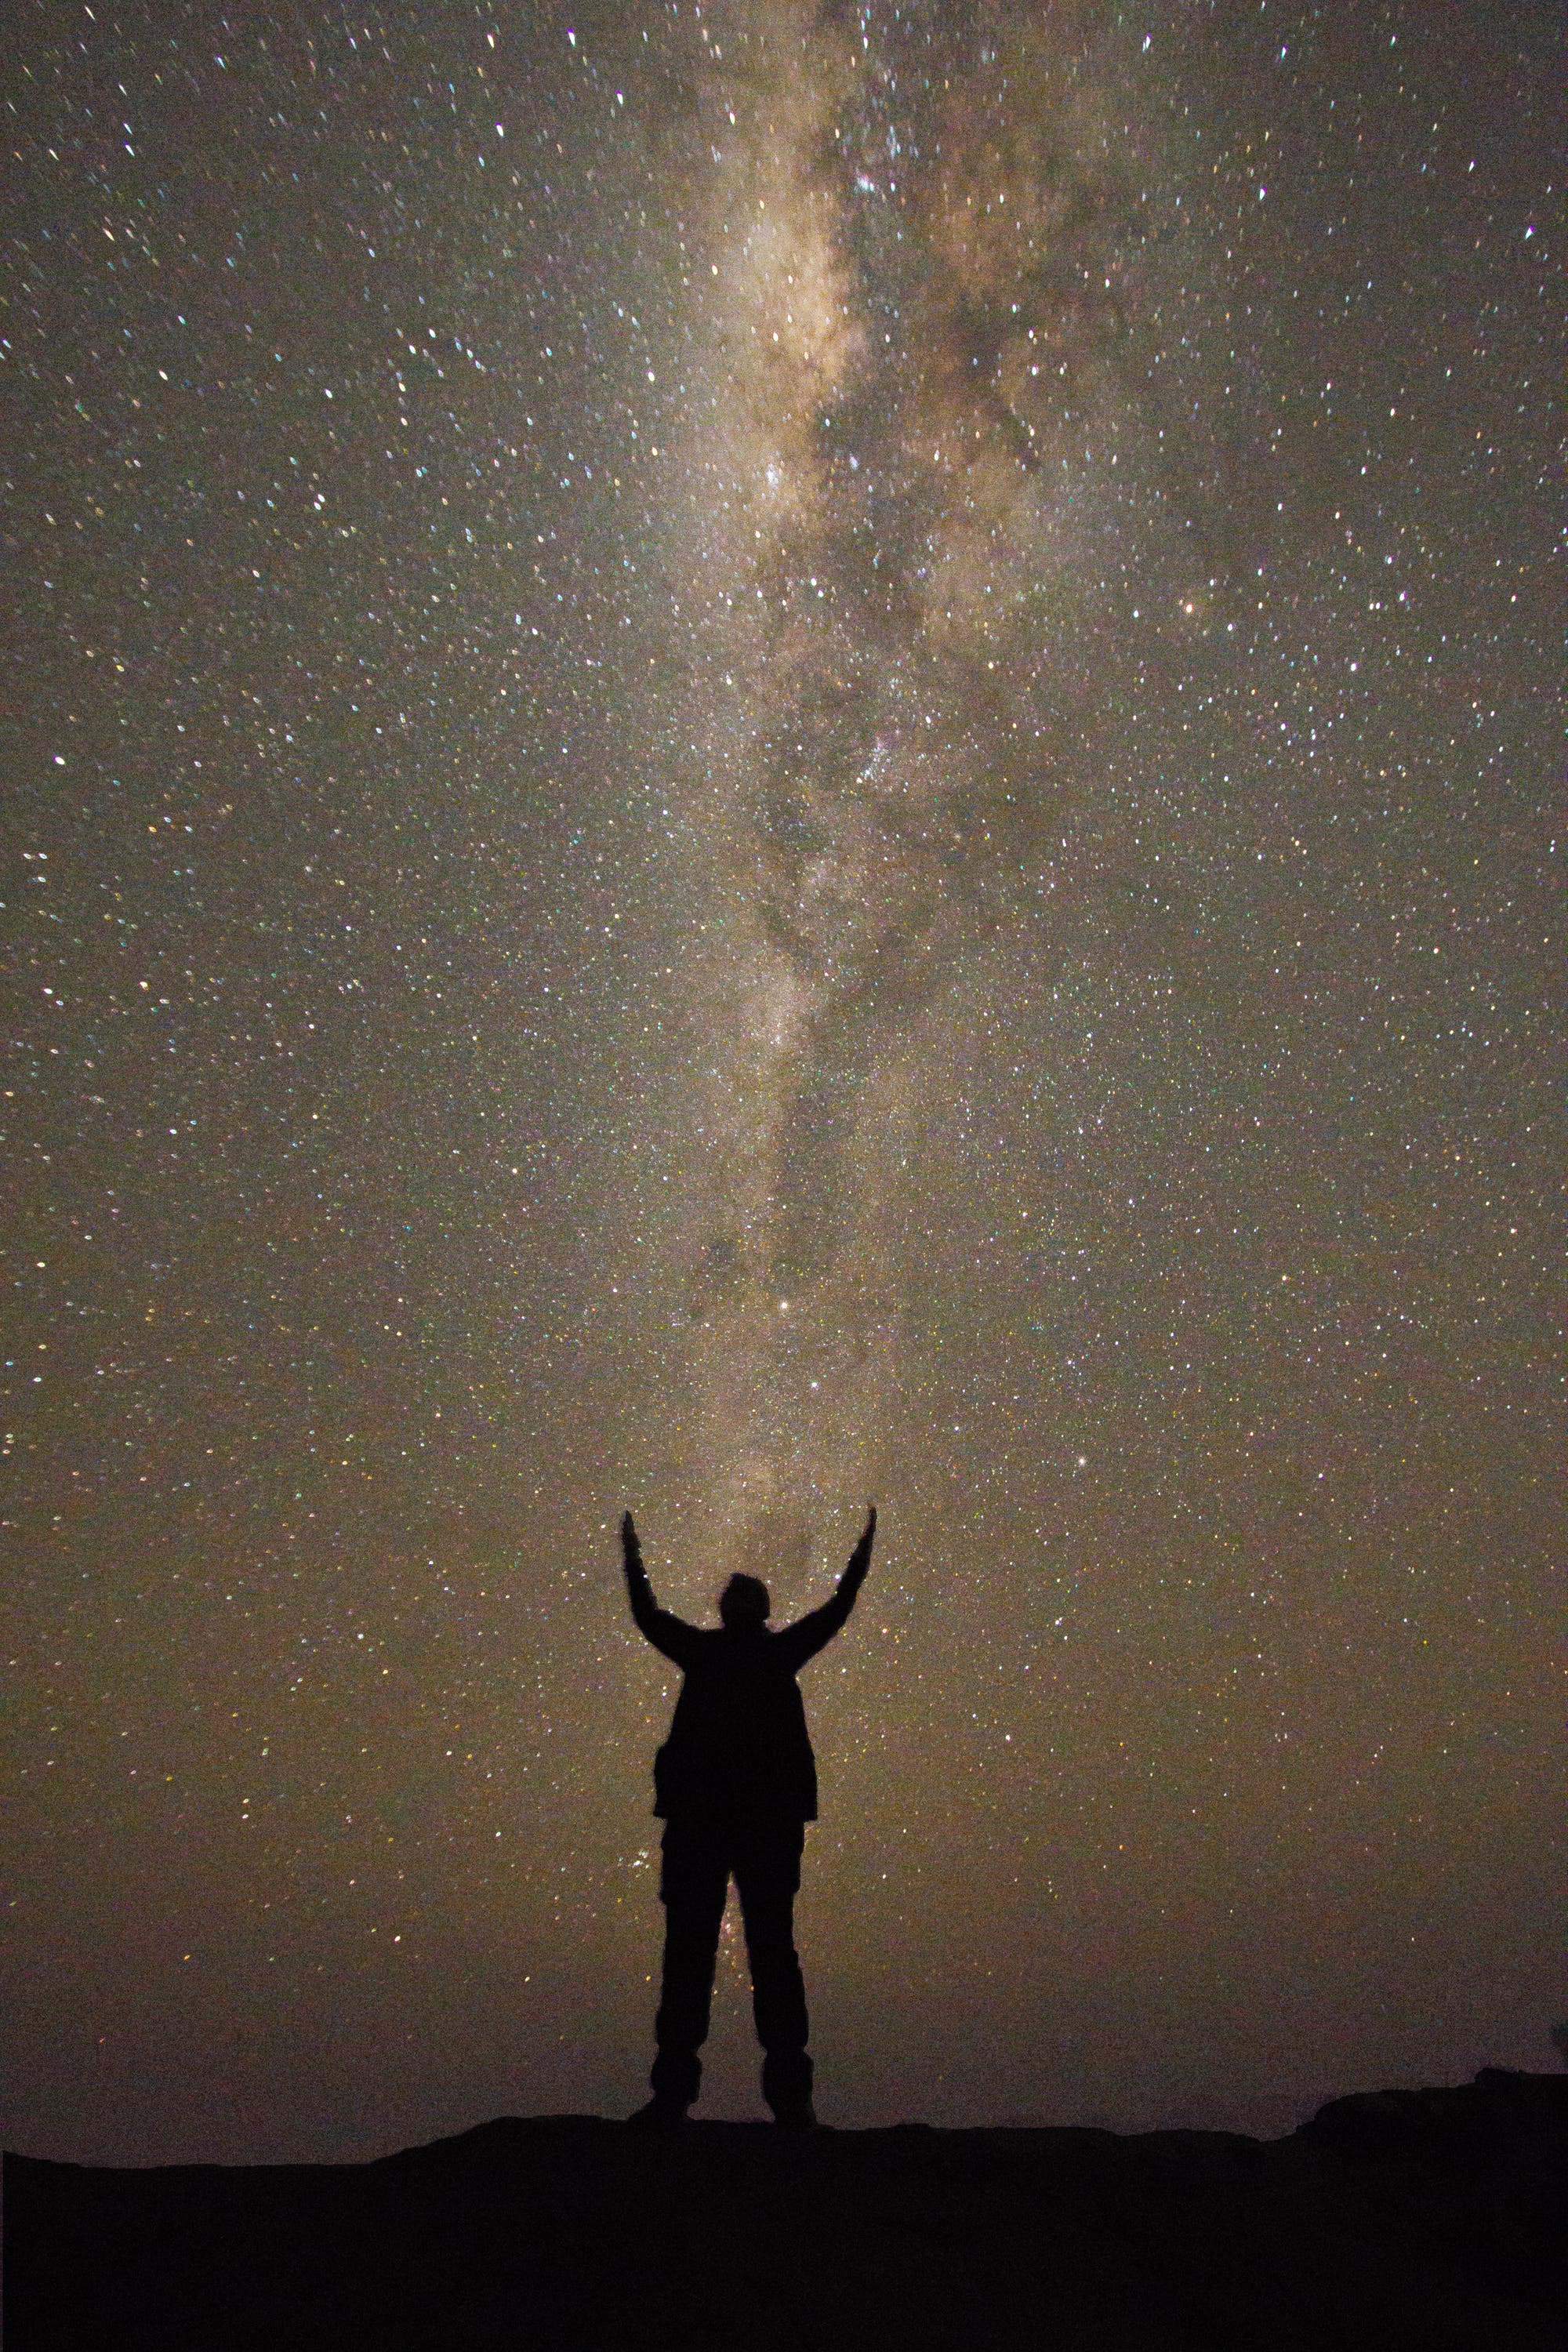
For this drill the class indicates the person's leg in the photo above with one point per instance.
(694, 1878)
(767, 1874)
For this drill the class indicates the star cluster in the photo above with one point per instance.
(763, 755)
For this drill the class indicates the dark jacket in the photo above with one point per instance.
(738, 1749)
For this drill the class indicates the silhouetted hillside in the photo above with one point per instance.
(1427, 2219)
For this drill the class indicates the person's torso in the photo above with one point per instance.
(738, 1745)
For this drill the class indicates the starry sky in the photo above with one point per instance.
(760, 756)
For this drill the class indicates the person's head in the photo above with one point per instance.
(743, 1604)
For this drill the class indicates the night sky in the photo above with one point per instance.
(759, 759)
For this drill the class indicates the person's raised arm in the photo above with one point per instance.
(812, 1633)
(668, 1634)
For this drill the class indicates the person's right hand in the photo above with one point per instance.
(630, 1544)
(860, 1557)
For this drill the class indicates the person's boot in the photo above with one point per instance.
(787, 2087)
(659, 2115)
(675, 2081)
(795, 2115)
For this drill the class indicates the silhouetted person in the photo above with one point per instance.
(735, 1784)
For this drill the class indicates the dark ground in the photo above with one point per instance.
(1428, 2219)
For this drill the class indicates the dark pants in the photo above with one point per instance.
(699, 1859)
